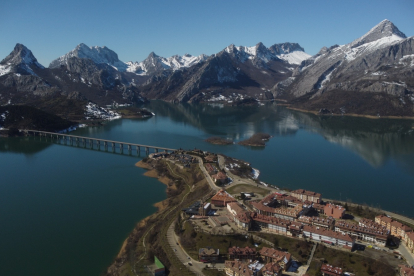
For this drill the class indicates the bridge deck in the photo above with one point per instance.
(97, 139)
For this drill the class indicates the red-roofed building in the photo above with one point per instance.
(271, 224)
(307, 195)
(410, 241)
(208, 254)
(272, 269)
(406, 270)
(384, 220)
(378, 237)
(220, 178)
(245, 253)
(335, 211)
(329, 270)
(240, 216)
(320, 234)
(318, 207)
(237, 268)
(396, 228)
(283, 213)
(222, 198)
(270, 255)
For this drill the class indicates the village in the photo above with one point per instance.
(241, 205)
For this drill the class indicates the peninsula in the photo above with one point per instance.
(218, 219)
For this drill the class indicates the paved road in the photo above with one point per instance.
(400, 217)
(208, 177)
(406, 254)
(196, 267)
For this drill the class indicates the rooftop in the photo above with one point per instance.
(327, 233)
(291, 212)
(275, 254)
(384, 218)
(406, 270)
(220, 176)
(209, 251)
(332, 206)
(222, 195)
(240, 268)
(242, 250)
(331, 269)
(356, 228)
(270, 220)
(305, 192)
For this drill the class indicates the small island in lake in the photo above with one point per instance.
(134, 112)
(257, 140)
(219, 141)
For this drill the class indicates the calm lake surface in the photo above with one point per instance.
(66, 210)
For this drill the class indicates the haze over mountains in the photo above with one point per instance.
(373, 75)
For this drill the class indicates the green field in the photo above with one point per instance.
(245, 188)
(349, 262)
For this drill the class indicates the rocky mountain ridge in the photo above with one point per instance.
(372, 75)
(338, 78)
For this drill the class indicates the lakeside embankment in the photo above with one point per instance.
(135, 253)
(152, 172)
(347, 114)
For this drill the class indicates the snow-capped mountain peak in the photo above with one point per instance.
(382, 30)
(154, 63)
(96, 54)
(289, 52)
(21, 54)
(20, 60)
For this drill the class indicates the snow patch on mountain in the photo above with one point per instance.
(175, 62)
(327, 79)
(289, 52)
(93, 111)
(352, 53)
(4, 69)
(406, 60)
(295, 57)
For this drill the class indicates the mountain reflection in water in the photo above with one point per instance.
(375, 140)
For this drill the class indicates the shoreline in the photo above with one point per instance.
(348, 114)
(161, 205)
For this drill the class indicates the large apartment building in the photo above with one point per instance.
(396, 228)
(271, 224)
(335, 211)
(307, 195)
(283, 213)
(328, 236)
(377, 236)
(222, 198)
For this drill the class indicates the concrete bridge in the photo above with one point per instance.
(84, 141)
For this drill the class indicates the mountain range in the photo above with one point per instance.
(372, 75)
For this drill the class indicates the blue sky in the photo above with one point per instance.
(133, 29)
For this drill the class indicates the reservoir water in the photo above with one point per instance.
(66, 210)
